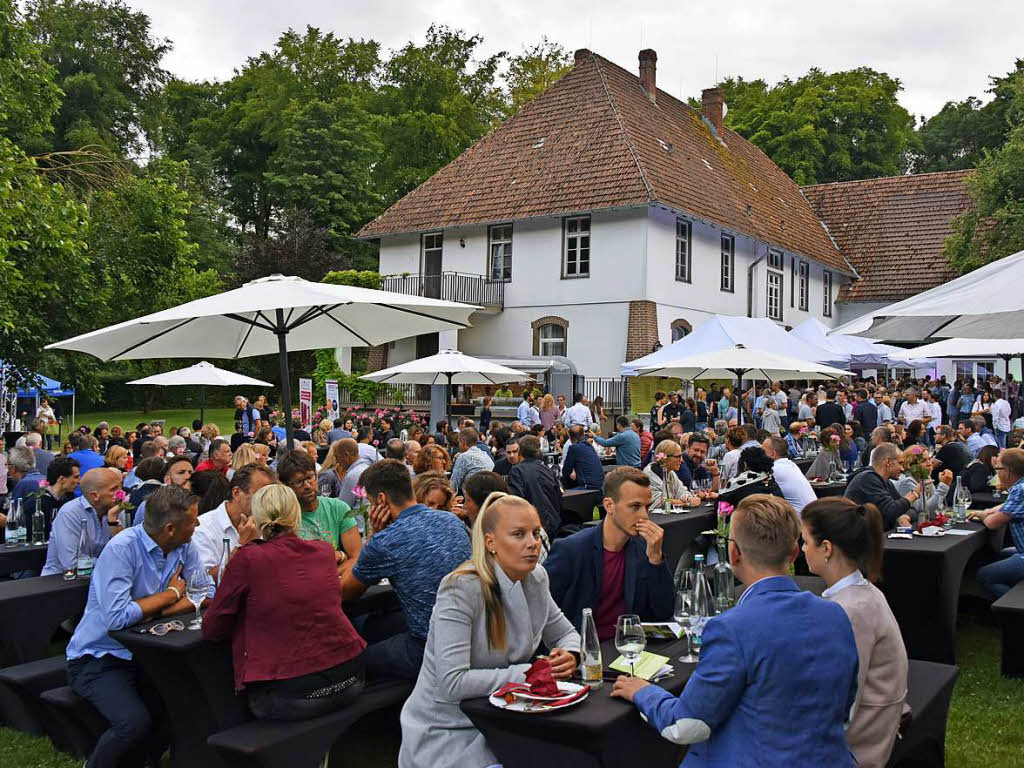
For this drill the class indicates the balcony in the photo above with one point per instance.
(450, 286)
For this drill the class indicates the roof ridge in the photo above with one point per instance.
(651, 196)
(900, 177)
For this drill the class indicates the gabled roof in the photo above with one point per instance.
(595, 140)
(892, 230)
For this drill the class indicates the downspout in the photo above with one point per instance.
(750, 281)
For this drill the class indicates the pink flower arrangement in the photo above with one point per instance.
(359, 492)
(120, 496)
(725, 509)
(44, 483)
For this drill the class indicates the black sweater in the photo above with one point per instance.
(869, 487)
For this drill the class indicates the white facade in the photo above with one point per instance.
(632, 257)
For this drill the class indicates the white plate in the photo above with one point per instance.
(519, 705)
(930, 535)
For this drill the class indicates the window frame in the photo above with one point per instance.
(826, 291)
(686, 274)
(776, 277)
(776, 260)
(566, 237)
(507, 257)
(564, 340)
(728, 263)
(805, 284)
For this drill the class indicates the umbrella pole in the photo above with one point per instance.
(202, 403)
(448, 401)
(286, 394)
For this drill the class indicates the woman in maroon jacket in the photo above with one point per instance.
(294, 651)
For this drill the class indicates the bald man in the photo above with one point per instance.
(875, 486)
(349, 465)
(97, 507)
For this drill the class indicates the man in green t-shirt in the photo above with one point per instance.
(322, 517)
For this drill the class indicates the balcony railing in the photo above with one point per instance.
(450, 286)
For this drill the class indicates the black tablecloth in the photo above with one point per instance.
(597, 732)
(681, 529)
(921, 581)
(821, 490)
(30, 612)
(21, 558)
(195, 680)
(578, 505)
(986, 500)
(1009, 612)
(804, 464)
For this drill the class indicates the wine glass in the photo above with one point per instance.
(197, 589)
(681, 612)
(629, 639)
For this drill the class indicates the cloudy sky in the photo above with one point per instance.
(940, 50)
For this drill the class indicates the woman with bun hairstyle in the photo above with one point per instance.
(491, 614)
(843, 545)
(295, 652)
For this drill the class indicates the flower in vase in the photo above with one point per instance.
(359, 492)
(44, 483)
(120, 496)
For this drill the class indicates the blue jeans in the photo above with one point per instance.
(111, 685)
(999, 577)
(1001, 437)
(398, 656)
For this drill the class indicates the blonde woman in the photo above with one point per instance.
(320, 433)
(548, 412)
(279, 593)
(665, 483)
(117, 457)
(244, 454)
(262, 453)
(208, 434)
(432, 458)
(491, 614)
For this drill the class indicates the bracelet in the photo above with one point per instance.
(176, 591)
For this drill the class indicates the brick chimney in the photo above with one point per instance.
(581, 55)
(711, 107)
(648, 72)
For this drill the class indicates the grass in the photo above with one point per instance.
(982, 731)
(224, 418)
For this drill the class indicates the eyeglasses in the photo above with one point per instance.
(162, 629)
(298, 482)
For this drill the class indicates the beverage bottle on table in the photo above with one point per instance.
(84, 559)
(961, 501)
(38, 525)
(225, 555)
(703, 607)
(15, 525)
(725, 584)
(590, 651)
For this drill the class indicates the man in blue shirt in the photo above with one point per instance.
(778, 652)
(414, 547)
(87, 456)
(141, 575)
(339, 432)
(524, 413)
(471, 460)
(972, 436)
(581, 468)
(1001, 576)
(626, 443)
(101, 513)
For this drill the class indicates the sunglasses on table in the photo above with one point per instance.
(162, 629)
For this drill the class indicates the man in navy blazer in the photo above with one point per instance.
(777, 676)
(617, 567)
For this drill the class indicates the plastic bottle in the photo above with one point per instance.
(703, 607)
(590, 651)
(84, 559)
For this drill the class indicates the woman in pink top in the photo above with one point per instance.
(843, 545)
(548, 413)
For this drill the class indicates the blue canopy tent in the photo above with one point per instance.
(49, 388)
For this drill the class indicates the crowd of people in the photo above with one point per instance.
(458, 521)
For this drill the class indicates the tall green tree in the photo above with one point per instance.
(533, 71)
(994, 227)
(958, 135)
(825, 127)
(29, 97)
(107, 64)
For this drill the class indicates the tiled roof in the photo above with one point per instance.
(892, 230)
(595, 140)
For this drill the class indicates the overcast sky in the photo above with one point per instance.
(940, 50)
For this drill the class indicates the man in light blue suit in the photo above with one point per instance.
(777, 676)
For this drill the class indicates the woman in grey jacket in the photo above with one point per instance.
(490, 616)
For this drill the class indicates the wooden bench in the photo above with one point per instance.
(301, 743)
(20, 687)
(922, 741)
(1009, 611)
(73, 724)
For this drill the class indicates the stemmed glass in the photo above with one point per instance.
(196, 589)
(681, 612)
(629, 639)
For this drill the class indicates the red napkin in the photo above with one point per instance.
(540, 678)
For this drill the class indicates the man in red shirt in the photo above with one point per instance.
(219, 457)
(617, 567)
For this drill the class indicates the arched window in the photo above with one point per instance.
(550, 336)
(680, 328)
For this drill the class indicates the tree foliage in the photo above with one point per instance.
(533, 71)
(825, 127)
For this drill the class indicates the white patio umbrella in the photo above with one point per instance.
(983, 304)
(449, 366)
(740, 361)
(267, 316)
(201, 375)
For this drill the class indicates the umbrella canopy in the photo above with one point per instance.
(857, 350)
(270, 315)
(971, 348)
(200, 374)
(724, 332)
(739, 361)
(449, 366)
(980, 305)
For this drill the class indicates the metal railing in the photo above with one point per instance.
(613, 391)
(449, 286)
(394, 394)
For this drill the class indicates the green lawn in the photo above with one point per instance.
(983, 730)
(224, 418)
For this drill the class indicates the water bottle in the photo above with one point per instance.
(961, 501)
(590, 651)
(38, 525)
(703, 606)
(84, 558)
(16, 533)
(725, 584)
(225, 555)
